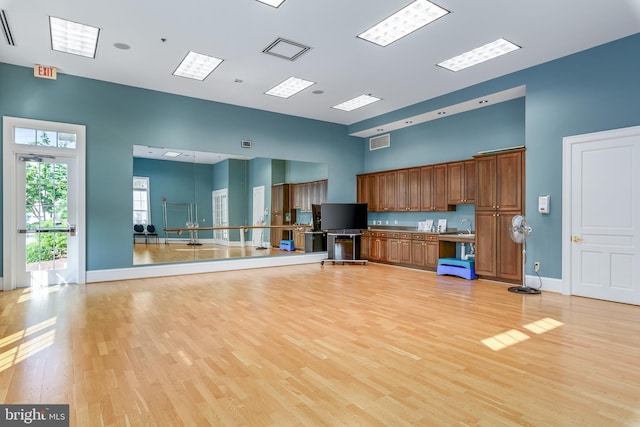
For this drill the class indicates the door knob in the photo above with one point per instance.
(576, 239)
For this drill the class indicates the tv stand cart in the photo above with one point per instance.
(343, 247)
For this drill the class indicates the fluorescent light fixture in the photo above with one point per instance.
(478, 55)
(289, 87)
(197, 66)
(412, 17)
(74, 38)
(357, 102)
(171, 154)
(274, 3)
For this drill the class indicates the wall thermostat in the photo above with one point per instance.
(543, 204)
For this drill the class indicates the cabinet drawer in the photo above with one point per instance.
(382, 234)
(405, 236)
(417, 236)
(394, 235)
(431, 237)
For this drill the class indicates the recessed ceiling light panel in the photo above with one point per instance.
(197, 66)
(478, 55)
(356, 102)
(74, 38)
(274, 3)
(289, 87)
(407, 20)
(171, 154)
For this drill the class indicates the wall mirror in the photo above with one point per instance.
(175, 189)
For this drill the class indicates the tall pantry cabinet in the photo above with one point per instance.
(500, 196)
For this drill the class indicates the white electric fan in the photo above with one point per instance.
(519, 231)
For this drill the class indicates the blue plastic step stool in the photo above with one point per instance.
(464, 268)
(287, 245)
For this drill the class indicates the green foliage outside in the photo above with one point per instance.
(46, 206)
(47, 246)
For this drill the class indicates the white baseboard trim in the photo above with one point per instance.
(548, 283)
(201, 267)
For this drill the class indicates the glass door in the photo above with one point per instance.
(43, 171)
(45, 226)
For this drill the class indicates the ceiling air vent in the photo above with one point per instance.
(377, 142)
(5, 28)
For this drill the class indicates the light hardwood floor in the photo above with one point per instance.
(311, 345)
(179, 252)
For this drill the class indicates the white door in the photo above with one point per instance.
(259, 217)
(220, 216)
(601, 215)
(43, 173)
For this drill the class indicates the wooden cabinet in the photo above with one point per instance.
(386, 187)
(500, 180)
(433, 188)
(393, 248)
(378, 247)
(280, 212)
(424, 250)
(408, 190)
(367, 191)
(299, 240)
(461, 179)
(305, 194)
(496, 254)
(365, 244)
(499, 197)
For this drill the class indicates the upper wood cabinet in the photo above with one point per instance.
(408, 190)
(499, 178)
(462, 182)
(306, 194)
(387, 193)
(367, 191)
(433, 188)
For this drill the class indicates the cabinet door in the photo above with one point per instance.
(417, 253)
(431, 254)
(486, 251)
(390, 191)
(456, 187)
(470, 181)
(402, 190)
(393, 250)
(297, 196)
(365, 242)
(440, 201)
(362, 189)
(277, 199)
(486, 183)
(426, 188)
(509, 253)
(405, 251)
(413, 192)
(509, 168)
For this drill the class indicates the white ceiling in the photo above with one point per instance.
(343, 65)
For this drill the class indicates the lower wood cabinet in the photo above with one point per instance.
(497, 256)
(299, 240)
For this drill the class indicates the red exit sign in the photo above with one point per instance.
(45, 72)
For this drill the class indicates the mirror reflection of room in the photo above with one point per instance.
(197, 206)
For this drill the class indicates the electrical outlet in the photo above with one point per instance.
(536, 266)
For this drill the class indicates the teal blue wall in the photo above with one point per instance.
(306, 171)
(118, 117)
(590, 91)
(178, 182)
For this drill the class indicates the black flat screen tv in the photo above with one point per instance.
(343, 216)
